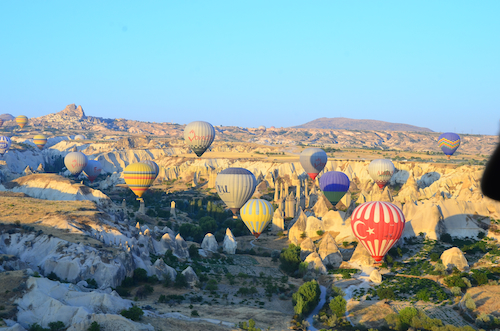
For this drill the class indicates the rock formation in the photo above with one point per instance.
(329, 251)
(209, 243)
(361, 256)
(314, 262)
(306, 247)
(454, 257)
(191, 276)
(229, 245)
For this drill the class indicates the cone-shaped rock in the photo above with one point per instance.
(306, 247)
(313, 261)
(361, 256)
(300, 225)
(229, 245)
(278, 221)
(191, 276)
(321, 206)
(209, 243)
(329, 251)
(454, 257)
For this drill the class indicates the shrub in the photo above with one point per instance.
(470, 304)
(320, 232)
(56, 326)
(193, 251)
(385, 293)
(446, 237)
(434, 257)
(194, 313)
(140, 275)
(180, 281)
(338, 306)
(94, 327)
(290, 259)
(134, 313)
(212, 285)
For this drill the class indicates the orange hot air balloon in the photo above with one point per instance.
(40, 140)
(21, 120)
(139, 177)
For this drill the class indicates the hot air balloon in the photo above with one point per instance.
(262, 129)
(79, 137)
(40, 140)
(256, 214)
(334, 185)
(92, 170)
(199, 136)
(1, 122)
(313, 160)
(75, 162)
(153, 165)
(4, 144)
(139, 177)
(21, 120)
(235, 186)
(449, 143)
(381, 170)
(378, 226)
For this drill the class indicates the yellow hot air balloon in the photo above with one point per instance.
(139, 177)
(40, 140)
(256, 214)
(21, 120)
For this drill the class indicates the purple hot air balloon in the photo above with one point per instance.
(449, 143)
(334, 185)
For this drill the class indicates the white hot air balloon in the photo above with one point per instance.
(313, 160)
(75, 162)
(381, 171)
(235, 186)
(199, 136)
(4, 144)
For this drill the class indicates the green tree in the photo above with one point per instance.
(290, 259)
(306, 298)
(134, 313)
(338, 306)
(208, 224)
(94, 327)
(140, 275)
(180, 280)
(406, 315)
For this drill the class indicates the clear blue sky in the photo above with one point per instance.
(434, 64)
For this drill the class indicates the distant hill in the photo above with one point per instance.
(7, 117)
(342, 123)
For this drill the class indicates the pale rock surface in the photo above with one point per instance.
(329, 251)
(461, 218)
(191, 276)
(300, 216)
(454, 257)
(15, 327)
(229, 244)
(313, 225)
(422, 217)
(162, 270)
(321, 206)
(334, 223)
(209, 243)
(48, 301)
(361, 256)
(278, 221)
(376, 277)
(53, 187)
(306, 247)
(314, 262)
(300, 225)
(182, 251)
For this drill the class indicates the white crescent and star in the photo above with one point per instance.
(355, 227)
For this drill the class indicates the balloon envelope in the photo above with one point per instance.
(92, 170)
(449, 143)
(381, 171)
(256, 214)
(75, 162)
(21, 120)
(153, 165)
(378, 226)
(235, 186)
(262, 128)
(138, 177)
(4, 144)
(313, 160)
(334, 185)
(79, 137)
(199, 136)
(40, 140)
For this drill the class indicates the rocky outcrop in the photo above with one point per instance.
(454, 257)
(162, 270)
(329, 251)
(321, 206)
(191, 276)
(306, 247)
(278, 221)
(298, 227)
(422, 219)
(376, 277)
(229, 245)
(361, 256)
(314, 262)
(48, 301)
(182, 248)
(209, 243)
(339, 226)
(313, 225)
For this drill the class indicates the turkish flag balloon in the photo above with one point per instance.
(378, 226)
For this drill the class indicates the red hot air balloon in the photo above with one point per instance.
(378, 226)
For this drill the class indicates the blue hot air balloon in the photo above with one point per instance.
(449, 143)
(334, 185)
